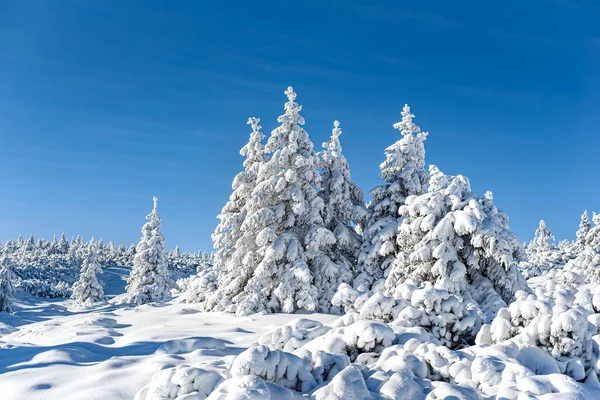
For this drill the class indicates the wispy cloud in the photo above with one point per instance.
(398, 13)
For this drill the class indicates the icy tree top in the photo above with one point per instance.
(254, 150)
(542, 237)
(334, 145)
(253, 122)
(292, 109)
(407, 126)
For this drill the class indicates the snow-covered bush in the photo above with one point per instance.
(43, 288)
(363, 336)
(276, 366)
(252, 387)
(348, 384)
(552, 320)
(197, 286)
(450, 237)
(444, 315)
(183, 382)
(293, 335)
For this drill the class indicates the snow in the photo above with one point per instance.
(543, 345)
(52, 348)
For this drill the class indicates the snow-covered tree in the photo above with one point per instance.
(7, 289)
(63, 244)
(284, 215)
(459, 242)
(584, 228)
(88, 290)
(344, 212)
(404, 174)
(542, 254)
(543, 239)
(585, 267)
(593, 237)
(149, 278)
(235, 246)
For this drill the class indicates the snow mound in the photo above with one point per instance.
(181, 346)
(293, 335)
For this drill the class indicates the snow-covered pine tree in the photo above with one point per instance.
(149, 278)
(284, 211)
(235, 246)
(543, 239)
(129, 255)
(88, 290)
(63, 244)
(542, 254)
(584, 228)
(26, 253)
(404, 174)
(459, 242)
(7, 289)
(53, 248)
(344, 212)
(111, 254)
(585, 267)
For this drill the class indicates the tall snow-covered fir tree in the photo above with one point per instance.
(284, 215)
(459, 242)
(88, 290)
(404, 174)
(344, 212)
(235, 246)
(149, 279)
(7, 289)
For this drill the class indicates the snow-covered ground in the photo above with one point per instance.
(49, 349)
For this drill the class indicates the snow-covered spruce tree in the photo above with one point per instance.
(404, 174)
(592, 239)
(543, 238)
(63, 244)
(584, 228)
(542, 254)
(235, 246)
(459, 242)
(285, 215)
(88, 290)
(149, 278)
(586, 266)
(7, 289)
(344, 211)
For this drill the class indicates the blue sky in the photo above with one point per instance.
(104, 104)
